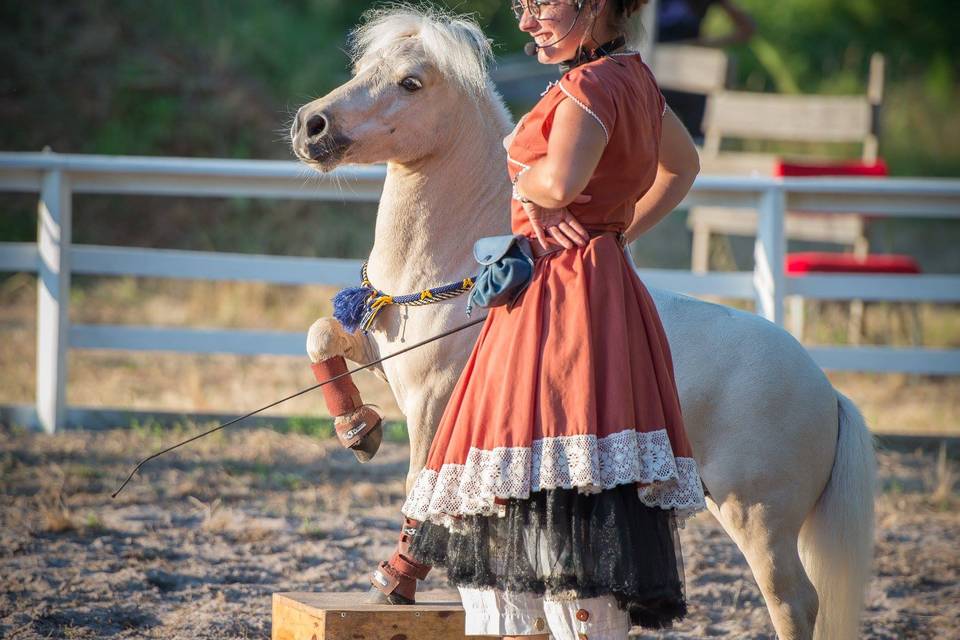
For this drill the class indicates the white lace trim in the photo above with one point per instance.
(584, 461)
(517, 162)
(550, 85)
(606, 134)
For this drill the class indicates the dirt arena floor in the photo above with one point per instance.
(195, 546)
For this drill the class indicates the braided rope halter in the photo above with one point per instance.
(358, 307)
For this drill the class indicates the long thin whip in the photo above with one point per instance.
(290, 397)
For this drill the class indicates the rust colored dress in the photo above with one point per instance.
(562, 448)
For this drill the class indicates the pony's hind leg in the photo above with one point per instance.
(770, 549)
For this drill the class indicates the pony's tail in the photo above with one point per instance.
(836, 540)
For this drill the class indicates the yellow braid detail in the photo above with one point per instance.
(381, 301)
(375, 307)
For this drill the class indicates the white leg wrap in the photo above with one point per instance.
(604, 620)
(491, 612)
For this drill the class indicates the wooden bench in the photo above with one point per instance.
(687, 74)
(683, 67)
(814, 262)
(520, 78)
(344, 616)
(810, 119)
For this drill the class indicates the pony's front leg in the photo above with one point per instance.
(395, 580)
(358, 426)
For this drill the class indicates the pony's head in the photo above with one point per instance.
(413, 69)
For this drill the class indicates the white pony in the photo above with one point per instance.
(787, 460)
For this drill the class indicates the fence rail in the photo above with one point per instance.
(57, 177)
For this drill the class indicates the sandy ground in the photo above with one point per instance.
(196, 545)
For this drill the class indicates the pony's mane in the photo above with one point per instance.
(454, 44)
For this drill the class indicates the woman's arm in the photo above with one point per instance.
(677, 167)
(576, 143)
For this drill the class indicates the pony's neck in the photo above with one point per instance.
(433, 210)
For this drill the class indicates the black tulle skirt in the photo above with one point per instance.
(561, 543)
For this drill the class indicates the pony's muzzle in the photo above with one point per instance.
(313, 137)
(316, 123)
(317, 126)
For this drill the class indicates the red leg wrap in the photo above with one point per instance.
(342, 396)
(357, 425)
(353, 431)
(399, 575)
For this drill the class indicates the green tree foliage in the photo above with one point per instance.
(824, 46)
(822, 39)
(205, 78)
(222, 77)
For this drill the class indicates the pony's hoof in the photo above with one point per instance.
(360, 431)
(375, 596)
(368, 447)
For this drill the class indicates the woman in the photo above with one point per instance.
(560, 465)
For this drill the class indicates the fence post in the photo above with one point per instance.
(53, 298)
(769, 254)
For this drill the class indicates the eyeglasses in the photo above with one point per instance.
(535, 7)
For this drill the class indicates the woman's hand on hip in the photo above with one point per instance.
(559, 224)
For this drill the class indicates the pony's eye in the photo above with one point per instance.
(411, 84)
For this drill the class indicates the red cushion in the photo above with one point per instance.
(815, 261)
(800, 170)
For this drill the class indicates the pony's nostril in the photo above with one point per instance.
(316, 125)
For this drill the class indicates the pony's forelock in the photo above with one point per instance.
(454, 44)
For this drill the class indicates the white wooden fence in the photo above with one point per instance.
(57, 177)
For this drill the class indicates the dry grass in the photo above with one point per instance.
(235, 384)
(55, 516)
(944, 480)
(904, 403)
(57, 486)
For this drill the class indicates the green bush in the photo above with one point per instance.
(222, 79)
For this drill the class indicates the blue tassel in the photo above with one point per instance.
(350, 306)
